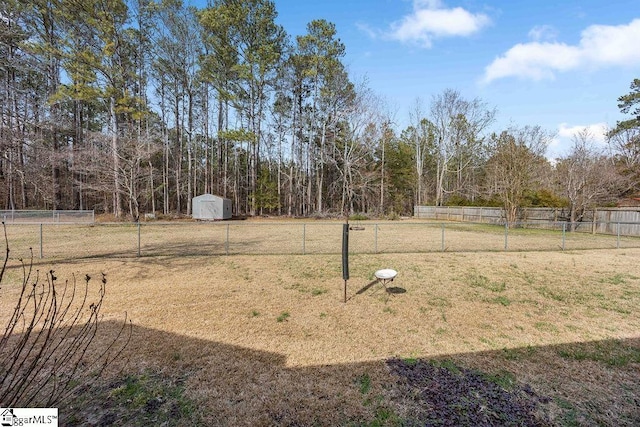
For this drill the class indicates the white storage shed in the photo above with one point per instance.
(210, 207)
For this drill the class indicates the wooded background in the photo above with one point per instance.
(128, 107)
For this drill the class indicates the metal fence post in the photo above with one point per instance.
(304, 239)
(138, 239)
(226, 245)
(618, 238)
(442, 237)
(375, 237)
(41, 255)
(564, 234)
(506, 235)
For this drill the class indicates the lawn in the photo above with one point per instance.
(531, 338)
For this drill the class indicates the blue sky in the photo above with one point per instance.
(561, 65)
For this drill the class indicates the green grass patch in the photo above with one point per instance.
(486, 341)
(410, 360)
(446, 364)
(504, 379)
(502, 300)
(612, 306)
(358, 217)
(149, 399)
(569, 417)
(617, 279)
(522, 353)
(284, 316)
(613, 353)
(551, 294)
(546, 327)
(364, 383)
(385, 417)
(480, 281)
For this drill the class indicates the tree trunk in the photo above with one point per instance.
(382, 175)
(117, 185)
(190, 172)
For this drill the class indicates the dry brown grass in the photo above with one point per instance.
(213, 321)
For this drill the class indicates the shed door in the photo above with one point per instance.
(211, 209)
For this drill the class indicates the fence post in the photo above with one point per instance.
(375, 237)
(618, 238)
(304, 239)
(226, 244)
(138, 238)
(506, 235)
(442, 238)
(41, 254)
(564, 234)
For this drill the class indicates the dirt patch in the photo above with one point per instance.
(433, 393)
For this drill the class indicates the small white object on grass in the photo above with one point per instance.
(386, 274)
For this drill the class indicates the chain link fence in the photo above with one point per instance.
(77, 241)
(48, 217)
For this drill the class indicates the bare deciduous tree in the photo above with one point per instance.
(516, 165)
(586, 177)
(459, 125)
(625, 148)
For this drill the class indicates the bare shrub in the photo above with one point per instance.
(50, 347)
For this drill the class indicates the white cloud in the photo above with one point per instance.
(431, 19)
(596, 131)
(561, 144)
(543, 33)
(599, 46)
(534, 60)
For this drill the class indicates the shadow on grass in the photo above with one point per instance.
(367, 287)
(390, 290)
(173, 379)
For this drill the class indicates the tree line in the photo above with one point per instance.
(137, 106)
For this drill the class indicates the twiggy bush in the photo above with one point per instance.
(49, 349)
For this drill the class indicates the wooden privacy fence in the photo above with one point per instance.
(622, 221)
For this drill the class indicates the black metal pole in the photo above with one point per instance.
(345, 256)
